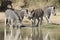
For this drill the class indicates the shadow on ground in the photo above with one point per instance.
(1, 35)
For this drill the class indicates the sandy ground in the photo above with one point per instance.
(2, 16)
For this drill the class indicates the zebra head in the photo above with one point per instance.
(25, 12)
(30, 16)
(53, 11)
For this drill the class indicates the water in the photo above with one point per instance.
(1, 35)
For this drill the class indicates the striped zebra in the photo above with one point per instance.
(36, 14)
(16, 15)
(48, 11)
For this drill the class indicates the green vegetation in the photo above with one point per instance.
(50, 26)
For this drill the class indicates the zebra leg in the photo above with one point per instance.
(19, 23)
(33, 23)
(6, 21)
(40, 20)
(47, 19)
(37, 23)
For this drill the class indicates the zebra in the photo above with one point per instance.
(48, 11)
(16, 15)
(21, 13)
(10, 15)
(36, 14)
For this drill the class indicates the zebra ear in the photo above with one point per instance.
(32, 11)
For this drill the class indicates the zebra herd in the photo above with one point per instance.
(18, 15)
